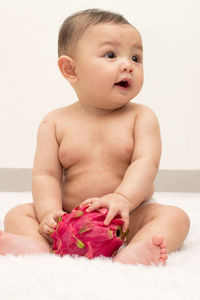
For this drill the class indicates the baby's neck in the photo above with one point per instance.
(95, 111)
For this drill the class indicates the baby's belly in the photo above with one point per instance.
(88, 184)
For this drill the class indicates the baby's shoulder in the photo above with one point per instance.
(56, 115)
(141, 110)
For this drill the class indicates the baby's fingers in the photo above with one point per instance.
(88, 201)
(125, 218)
(45, 229)
(51, 223)
(97, 204)
(110, 215)
(57, 214)
(46, 232)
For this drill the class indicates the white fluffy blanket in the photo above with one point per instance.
(55, 278)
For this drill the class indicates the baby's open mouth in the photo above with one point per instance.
(123, 83)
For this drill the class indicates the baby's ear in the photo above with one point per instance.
(66, 65)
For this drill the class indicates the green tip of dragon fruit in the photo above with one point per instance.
(59, 219)
(84, 234)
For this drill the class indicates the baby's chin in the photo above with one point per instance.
(112, 106)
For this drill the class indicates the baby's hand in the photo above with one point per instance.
(49, 223)
(115, 203)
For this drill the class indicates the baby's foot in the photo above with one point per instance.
(19, 245)
(144, 252)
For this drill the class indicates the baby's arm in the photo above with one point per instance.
(47, 176)
(140, 175)
(137, 184)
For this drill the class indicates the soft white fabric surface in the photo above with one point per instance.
(55, 278)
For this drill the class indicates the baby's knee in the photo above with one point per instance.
(19, 211)
(177, 216)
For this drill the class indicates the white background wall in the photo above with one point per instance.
(31, 84)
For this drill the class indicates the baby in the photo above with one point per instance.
(102, 150)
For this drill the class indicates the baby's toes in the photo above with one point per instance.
(163, 245)
(163, 258)
(158, 240)
(163, 250)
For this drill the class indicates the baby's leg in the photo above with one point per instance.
(21, 234)
(154, 228)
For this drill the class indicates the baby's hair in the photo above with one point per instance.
(75, 25)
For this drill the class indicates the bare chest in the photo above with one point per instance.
(104, 143)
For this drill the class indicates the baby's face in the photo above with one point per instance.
(109, 65)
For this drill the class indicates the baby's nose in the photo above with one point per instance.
(126, 66)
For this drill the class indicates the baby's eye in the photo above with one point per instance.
(135, 58)
(110, 54)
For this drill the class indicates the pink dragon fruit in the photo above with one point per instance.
(84, 234)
